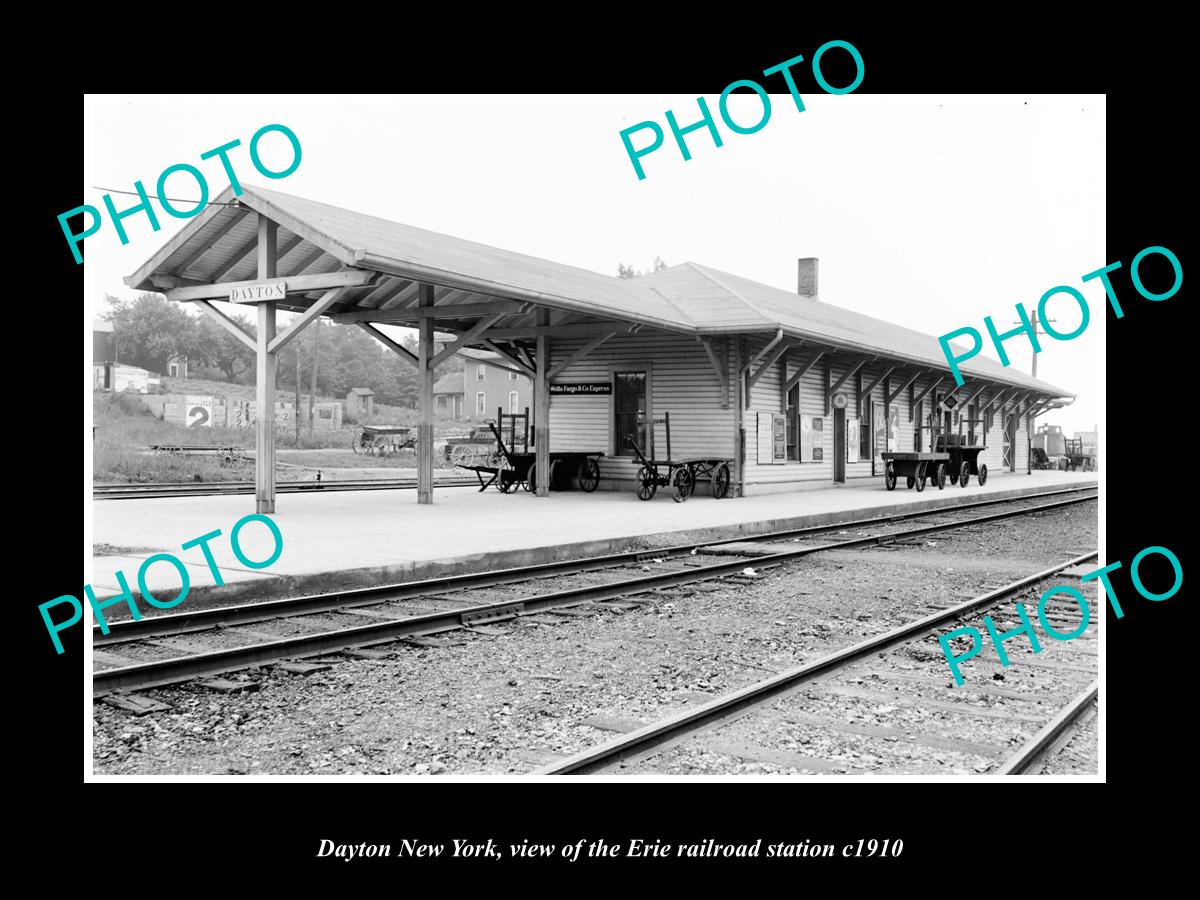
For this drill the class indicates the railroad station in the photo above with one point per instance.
(709, 382)
(697, 381)
(702, 457)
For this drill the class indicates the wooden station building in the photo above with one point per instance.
(795, 391)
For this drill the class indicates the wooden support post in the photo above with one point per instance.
(405, 353)
(541, 400)
(264, 374)
(904, 387)
(794, 378)
(783, 377)
(425, 352)
(582, 353)
(832, 389)
(740, 437)
(720, 368)
(227, 323)
(755, 375)
(912, 407)
(505, 353)
(312, 378)
(866, 392)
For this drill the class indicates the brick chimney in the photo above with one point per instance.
(806, 280)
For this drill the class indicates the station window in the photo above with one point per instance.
(480, 403)
(441, 400)
(971, 424)
(513, 402)
(480, 372)
(512, 376)
(629, 405)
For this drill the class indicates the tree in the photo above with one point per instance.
(215, 346)
(624, 271)
(150, 331)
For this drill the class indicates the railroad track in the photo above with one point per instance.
(167, 649)
(218, 488)
(745, 724)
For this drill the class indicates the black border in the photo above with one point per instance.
(1137, 63)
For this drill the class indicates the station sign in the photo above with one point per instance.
(581, 388)
(258, 293)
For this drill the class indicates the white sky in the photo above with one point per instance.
(927, 211)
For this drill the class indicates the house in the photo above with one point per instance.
(489, 386)
(448, 396)
(360, 402)
(177, 367)
(104, 354)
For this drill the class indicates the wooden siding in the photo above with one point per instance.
(767, 397)
(681, 381)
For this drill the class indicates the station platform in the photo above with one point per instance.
(337, 541)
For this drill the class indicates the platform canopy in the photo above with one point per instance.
(362, 270)
(475, 280)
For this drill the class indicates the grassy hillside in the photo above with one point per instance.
(126, 428)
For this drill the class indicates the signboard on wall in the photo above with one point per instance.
(852, 447)
(765, 436)
(812, 439)
(779, 444)
(878, 437)
(198, 412)
(581, 388)
(772, 438)
(893, 429)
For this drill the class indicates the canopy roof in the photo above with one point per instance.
(314, 238)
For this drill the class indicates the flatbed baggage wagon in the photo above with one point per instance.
(964, 452)
(682, 474)
(383, 440)
(513, 465)
(1077, 457)
(915, 467)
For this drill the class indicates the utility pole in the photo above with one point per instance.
(1032, 420)
(297, 413)
(312, 384)
(1036, 322)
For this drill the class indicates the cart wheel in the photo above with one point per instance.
(531, 478)
(720, 481)
(920, 480)
(964, 474)
(940, 477)
(684, 482)
(647, 483)
(589, 475)
(909, 481)
(982, 475)
(889, 478)
(460, 454)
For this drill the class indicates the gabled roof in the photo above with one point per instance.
(718, 301)
(362, 392)
(449, 384)
(315, 238)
